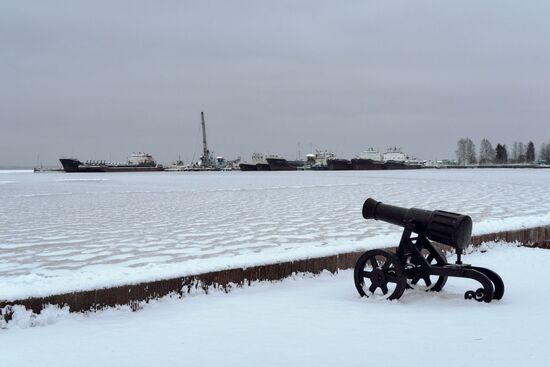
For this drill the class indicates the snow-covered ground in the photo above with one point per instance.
(304, 322)
(62, 232)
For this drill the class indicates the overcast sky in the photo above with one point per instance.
(102, 79)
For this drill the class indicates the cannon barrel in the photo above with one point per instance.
(448, 228)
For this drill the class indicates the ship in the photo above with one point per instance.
(281, 164)
(363, 164)
(394, 158)
(258, 164)
(263, 167)
(138, 162)
(337, 164)
(207, 162)
(247, 167)
(176, 166)
(401, 165)
(318, 161)
(370, 159)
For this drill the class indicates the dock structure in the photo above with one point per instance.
(206, 160)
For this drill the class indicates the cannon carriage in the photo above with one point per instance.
(417, 263)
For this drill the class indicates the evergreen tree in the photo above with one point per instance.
(498, 152)
(544, 153)
(530, 153)
(501, 154)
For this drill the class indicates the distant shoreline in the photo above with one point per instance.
(507, 166)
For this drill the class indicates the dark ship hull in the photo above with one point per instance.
(367, 164)
(339, 164)
(281, 164)
(263, 167)
(74, 165)
(401, 165)
(248, 167)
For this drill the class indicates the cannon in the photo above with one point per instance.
(417, 263)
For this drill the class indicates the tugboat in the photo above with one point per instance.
(176, 166)
(319, 160)
(138, 162)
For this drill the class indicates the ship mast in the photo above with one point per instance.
(205, 160)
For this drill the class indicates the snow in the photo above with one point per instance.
(307, 321)
(64, 232)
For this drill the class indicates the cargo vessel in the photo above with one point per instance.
(258, 164)
(394, 158)
(138, 162)
(281, 164)
(369, 159)
(337, 164)
(367, 164)
(248, 167)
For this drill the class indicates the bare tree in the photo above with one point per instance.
(466, 152)
(514, 153)
(518, 153)
(461, 152)
(470, 152)
(487, 153)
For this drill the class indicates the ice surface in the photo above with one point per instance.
(61, 232)
(307, 322)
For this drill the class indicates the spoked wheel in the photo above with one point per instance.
(379, 273)
(419, 277)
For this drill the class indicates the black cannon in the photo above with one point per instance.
(417, 260)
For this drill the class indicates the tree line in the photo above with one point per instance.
(501, 154)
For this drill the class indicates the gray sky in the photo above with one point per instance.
(101, 79)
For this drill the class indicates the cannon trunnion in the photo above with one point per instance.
(417, 263)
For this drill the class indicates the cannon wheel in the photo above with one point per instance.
(379, 272)
(433, 256)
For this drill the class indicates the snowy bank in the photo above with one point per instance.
(306, 321)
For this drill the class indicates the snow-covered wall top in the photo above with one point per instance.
(63, 232)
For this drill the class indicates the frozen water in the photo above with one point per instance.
(62, 232)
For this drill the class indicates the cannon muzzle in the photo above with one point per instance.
(448, 228)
